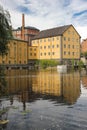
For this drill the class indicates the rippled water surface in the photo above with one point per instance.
(45, 100)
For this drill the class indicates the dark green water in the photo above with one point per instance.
(45, 101)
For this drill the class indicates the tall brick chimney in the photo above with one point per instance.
(23, 25)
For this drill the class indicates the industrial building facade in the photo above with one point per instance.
(61, 43)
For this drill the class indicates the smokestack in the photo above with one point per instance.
(23, 25)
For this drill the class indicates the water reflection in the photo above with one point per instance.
(29, 86)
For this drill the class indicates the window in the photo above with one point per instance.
(41, 54)
(48, 39)
(15, 61)
(73, 46)
(24, 62)
(52, 46)
(30, 49)
(48, 53)
(3, 61)
(48, 46)
(40, 47)
(64, 52)
(34, 49)
(44, 40)
(69, 32)
(53, 53)
(57, 45)
(30, 54)
(64, 38)
(68, 53)
(34, 54)
(40, 40)
(68, 46)
(73, 53)
(64, 45)
(9, 62)
(44, 47)
(57, 38)
(44, 53)
(68, 39)
(53, 39)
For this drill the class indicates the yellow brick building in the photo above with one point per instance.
(60, 43)
(17, 53)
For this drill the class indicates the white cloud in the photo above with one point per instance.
(45, 14)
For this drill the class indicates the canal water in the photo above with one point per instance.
(45, 100)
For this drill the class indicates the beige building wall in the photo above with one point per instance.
(33, 53)
(48, 48)
(17, 53)
(71, 44)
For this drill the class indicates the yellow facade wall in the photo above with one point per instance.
(71, 44)
(33, 53)
(64, 47)
(17, 53)
(48, 48)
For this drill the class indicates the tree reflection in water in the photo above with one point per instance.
(3, 92)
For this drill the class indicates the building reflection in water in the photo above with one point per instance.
(29, 86)
(84, 81)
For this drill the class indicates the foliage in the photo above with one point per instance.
(80, 64)
(46, 63)
(5, 30)
(85, 54)
(3, 82)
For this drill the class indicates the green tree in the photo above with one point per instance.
(5, 30)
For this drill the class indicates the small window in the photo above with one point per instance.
(64, 38)
(30, 49)
(64, 52)
(30, 54)
(57, 45)
(53, 39)
(73, 46)
(44, 40)
(53, 53)
(44, 47)
(44, 53)
(68, 39)
(48, 39)
(68, 53)
(52, 46)
(57, 38)
(48, 46)
(73, 53)
(48, 53)
(41, 54)
(34, 54)
(64, 45)
(68, 46)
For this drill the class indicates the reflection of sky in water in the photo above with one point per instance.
(33, 106)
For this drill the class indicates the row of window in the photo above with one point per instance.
(71, 53)
(47, 39)
(32, 49)
(49, 46)
(71, 46)
(32, 54)
(53, 53)
(71, 39)
(9, 62)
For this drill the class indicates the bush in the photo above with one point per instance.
(46, 63)
(80, 64)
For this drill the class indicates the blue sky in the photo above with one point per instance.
(44, 14)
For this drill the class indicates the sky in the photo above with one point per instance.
(45, 14)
